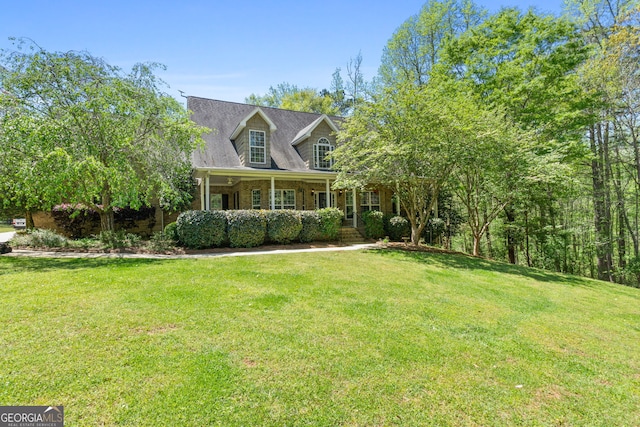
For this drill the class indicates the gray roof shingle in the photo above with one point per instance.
(224, 117)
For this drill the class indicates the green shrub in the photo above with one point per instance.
(202, 229)
(38, 238)
(171, 231)
(119, 239)
(283, 226)
(310, 226)
(160, 241)
(246, 228)
(398, 227)
(330, 223)
(373, 224)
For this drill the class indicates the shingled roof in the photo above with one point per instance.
(225, 117)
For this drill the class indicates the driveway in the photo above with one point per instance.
(5, 237)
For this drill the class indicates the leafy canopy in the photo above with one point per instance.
(77, 129)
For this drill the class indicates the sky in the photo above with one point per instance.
(225, 49)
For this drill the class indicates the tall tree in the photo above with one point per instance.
(415, 48)
(411, 139)
(83, 131)
(611, 26)
(526, 64)
(291, 97)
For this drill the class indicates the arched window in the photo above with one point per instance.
(320, 151)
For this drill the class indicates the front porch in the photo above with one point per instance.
(225, 189)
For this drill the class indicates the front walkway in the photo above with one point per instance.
(5, 237)
(257, 251)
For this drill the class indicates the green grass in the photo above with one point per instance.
(327, 339)
(4, 228)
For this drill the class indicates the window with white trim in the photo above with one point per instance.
(320, 151)
(257, 147)
(285, 199)
(370, 201)
(255, 199)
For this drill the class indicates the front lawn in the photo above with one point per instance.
(343, 338)
(5, 228)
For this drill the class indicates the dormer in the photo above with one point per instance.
(252, 138)
(315, 141)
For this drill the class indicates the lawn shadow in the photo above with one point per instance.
(467, 262)
(20, 264)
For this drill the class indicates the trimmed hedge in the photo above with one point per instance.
(311, 225)
(202, 229)
(373, 224)
(171, 231)
(250, 228)
(330, 223)
(246, 228)
(398, 227)
(283, 226)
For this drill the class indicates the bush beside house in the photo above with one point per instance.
(397, 227)
(373, 224)
(246, 228)
(311, 226)
(250, 228)
(330, 223)
(201, 229)
(283, 226)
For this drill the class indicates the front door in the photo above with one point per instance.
(320, 199)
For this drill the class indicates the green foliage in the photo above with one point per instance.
(290, 97)
(161, 241)
(330, 223)
(373, 224)
(311, 226)
(246, 228)
(202, 229)
(415, 47)
(171, 231)
(75, 220)
(106, 138)
(39, 238)
(397, 227)
(119, 239)
(283, 226)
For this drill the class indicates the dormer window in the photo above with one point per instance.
(257, 147)
(320, 151)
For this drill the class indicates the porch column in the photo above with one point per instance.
(273, 193)
(201, 194)
(328, 195)
(207, 193)
(355, 210)
(397, 200)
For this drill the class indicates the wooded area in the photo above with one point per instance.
(526, 123)
(556, 186)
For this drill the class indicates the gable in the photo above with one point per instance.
(233, 119)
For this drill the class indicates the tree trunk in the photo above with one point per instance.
(29, 220)
(526, 237)
(601, 216)
(511, 238)
(476, 244)
(488, 236)
(107, 222)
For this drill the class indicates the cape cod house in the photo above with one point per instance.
(269, 158)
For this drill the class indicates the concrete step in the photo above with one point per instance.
(350, 235)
